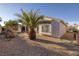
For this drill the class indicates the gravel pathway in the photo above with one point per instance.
(44, 46)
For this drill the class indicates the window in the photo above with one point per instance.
(46, 28)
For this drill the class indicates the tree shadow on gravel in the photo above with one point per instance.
(20, 47)
(71, 47)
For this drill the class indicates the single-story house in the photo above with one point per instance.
(49, 26)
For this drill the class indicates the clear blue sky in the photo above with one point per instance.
(67, 12)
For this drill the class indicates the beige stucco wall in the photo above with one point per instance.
(63, 29)
(19, 28)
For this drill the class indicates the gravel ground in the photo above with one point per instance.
(43, 46)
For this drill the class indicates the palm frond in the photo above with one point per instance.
(31, 19)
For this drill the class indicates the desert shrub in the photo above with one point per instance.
(8, 33)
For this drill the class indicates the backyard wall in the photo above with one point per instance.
(63, 29)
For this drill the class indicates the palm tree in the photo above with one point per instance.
(31, 20)
(12, 24)
(10, 28)
(62, 21)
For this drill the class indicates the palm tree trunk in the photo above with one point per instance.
(32, 34)
(75, 36)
